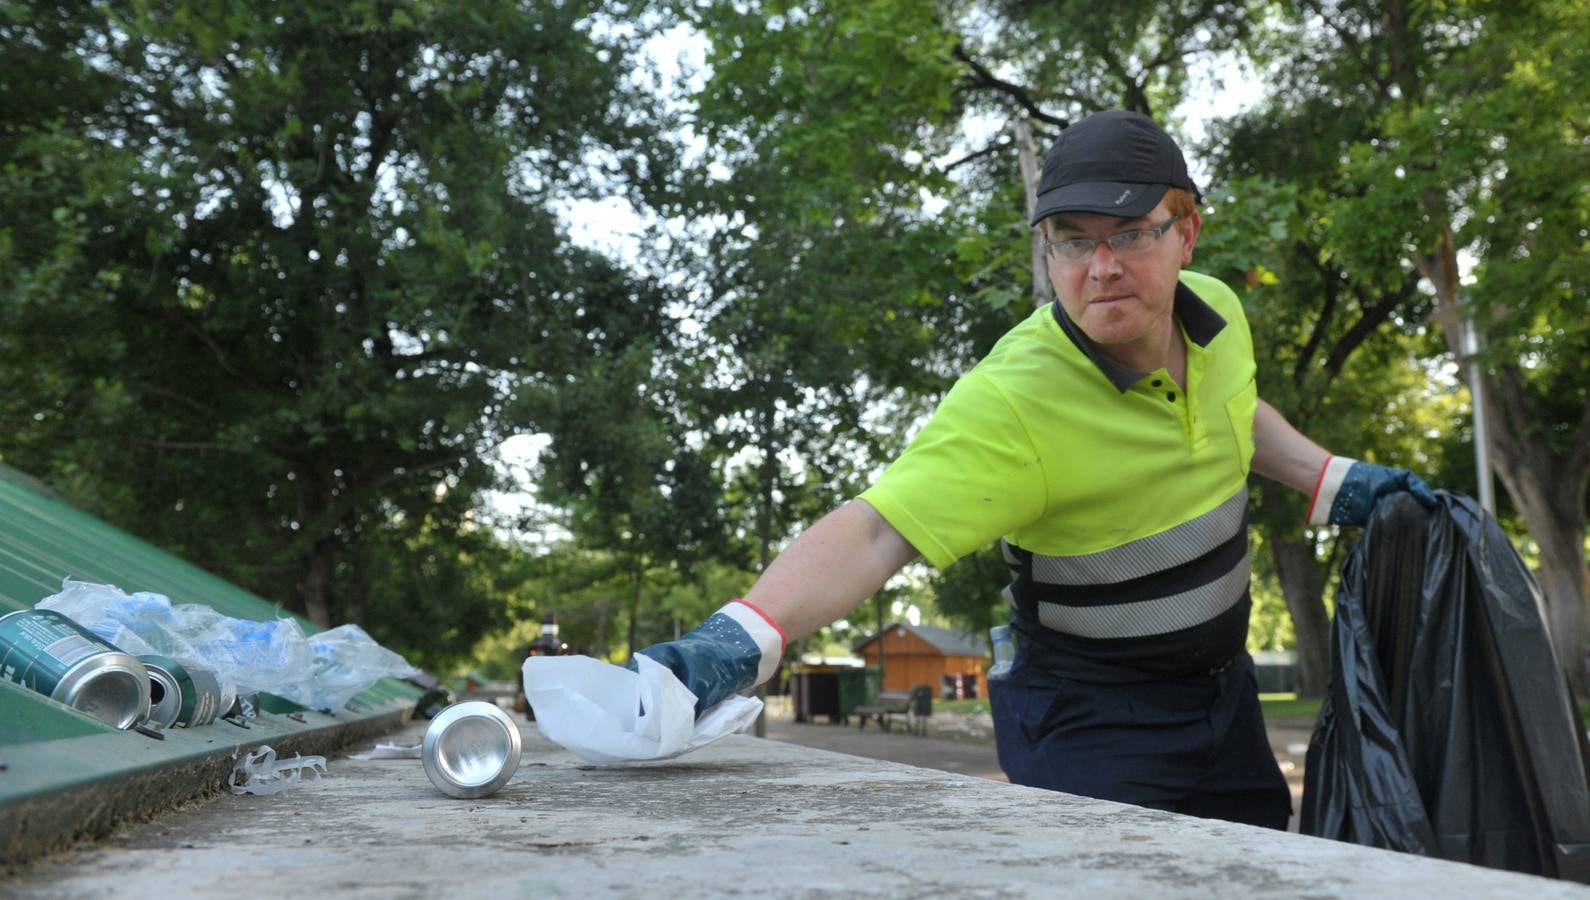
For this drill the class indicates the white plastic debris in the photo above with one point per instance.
(389, 751)
(260, 772)
(608, 714)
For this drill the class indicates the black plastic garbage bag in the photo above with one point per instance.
(1449, 729)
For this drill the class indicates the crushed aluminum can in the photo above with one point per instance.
(471, 749)
(47, 652)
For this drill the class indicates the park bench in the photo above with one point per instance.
(916, 706)
(888, 706)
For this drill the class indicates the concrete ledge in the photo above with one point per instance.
(741, 817)
(57, 791)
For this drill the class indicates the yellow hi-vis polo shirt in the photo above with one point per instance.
(1121, 499)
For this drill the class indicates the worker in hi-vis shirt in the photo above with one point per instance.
(1105, 442)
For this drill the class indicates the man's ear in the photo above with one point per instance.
(1189, 238)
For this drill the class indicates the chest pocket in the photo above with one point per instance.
(1239, 411)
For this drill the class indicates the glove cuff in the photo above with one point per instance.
(761, 628)
(1330, 480)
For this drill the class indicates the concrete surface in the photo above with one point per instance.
(964, 744)
(743, 817)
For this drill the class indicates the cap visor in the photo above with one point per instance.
(1111, 198)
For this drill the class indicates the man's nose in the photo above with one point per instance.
(1104, 265)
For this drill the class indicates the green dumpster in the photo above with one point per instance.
(858, 687)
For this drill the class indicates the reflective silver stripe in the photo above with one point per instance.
(1145, 556)
(1150, 617)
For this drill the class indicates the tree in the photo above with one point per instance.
(823, 288)
(276, 277)
(1438, 133)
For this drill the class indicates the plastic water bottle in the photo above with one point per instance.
(1004, 652)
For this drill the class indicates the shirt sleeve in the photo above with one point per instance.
(971, 476)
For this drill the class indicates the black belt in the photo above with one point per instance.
(1216, 670)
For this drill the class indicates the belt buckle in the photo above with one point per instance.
(1216, 670)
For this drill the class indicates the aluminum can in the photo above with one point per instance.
(47, 652)
(471, 749)
(165, 692)
(244, 706)
(199, 692)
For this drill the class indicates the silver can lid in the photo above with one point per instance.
(471, 749)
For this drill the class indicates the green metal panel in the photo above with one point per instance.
(43, 541)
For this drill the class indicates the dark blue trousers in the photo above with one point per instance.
(1193, 745)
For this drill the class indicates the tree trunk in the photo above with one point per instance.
(314, 587)
(1027, 155)
(1303, 586)
(767, 488)
(634, 605)
(1549, 491)
(601, 629)
(358, 590)
(1547, 488)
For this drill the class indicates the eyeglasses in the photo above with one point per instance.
(1128, 243)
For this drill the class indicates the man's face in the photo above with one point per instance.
(1116, 299)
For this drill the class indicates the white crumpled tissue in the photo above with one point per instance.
(604, 713)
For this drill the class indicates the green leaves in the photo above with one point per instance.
(292, 269)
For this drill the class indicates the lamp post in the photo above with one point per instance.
(1464, 338)
(1482, 443)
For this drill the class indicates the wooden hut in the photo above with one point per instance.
(922, 654)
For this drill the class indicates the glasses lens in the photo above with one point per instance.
(1133, 242)
(1074, 250)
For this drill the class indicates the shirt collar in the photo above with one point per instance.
(1198, 319)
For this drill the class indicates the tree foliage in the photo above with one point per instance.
(278, 278)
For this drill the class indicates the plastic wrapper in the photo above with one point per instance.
(344, 661)
(321, 672)
(390, 751)
(609, 714)
(1449, 729)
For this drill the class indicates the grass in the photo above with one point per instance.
(1289, 706)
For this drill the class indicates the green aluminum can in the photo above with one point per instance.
(47, 652)
(197, 692)
(165, 691)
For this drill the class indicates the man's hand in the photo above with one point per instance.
(736, 648)
(1347, 490)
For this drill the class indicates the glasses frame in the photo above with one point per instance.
(1117, 242)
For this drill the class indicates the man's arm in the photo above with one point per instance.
(1281, 452)
(1341, 491)
(826, 572)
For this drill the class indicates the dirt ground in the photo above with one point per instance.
(964, 744)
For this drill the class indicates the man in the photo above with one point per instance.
(1106, 441)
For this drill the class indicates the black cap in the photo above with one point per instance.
(1117, 163)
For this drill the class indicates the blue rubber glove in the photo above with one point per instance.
(1348, 489)
(737, 647)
